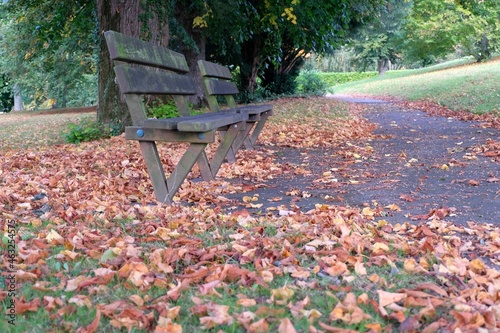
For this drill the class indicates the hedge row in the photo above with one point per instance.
(333, 79)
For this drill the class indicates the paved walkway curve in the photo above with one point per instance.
(424, 165)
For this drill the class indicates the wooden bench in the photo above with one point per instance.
(217, 83)
(144, 68)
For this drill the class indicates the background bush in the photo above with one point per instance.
(309, 82)
(332, 79)
(162, 109)
(88, 129)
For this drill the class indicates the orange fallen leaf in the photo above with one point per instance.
(260, 326)
(93, 326)
(386, 298)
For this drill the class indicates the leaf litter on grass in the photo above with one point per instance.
(95, 252)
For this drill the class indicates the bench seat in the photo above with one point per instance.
(198, 123)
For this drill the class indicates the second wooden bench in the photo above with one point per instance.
(144, 68)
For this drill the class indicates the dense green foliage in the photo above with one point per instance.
(268, 40)
(162, 110)
(6, 95)
(49, 57)
(436, 28)
(54, 60)
(88, 129)
(310, 82)
(381, 39)
(333, 79)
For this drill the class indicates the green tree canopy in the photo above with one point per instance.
(269, 39)
(48, 46)
(436, 28)
(381, 39)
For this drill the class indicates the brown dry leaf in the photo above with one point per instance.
(260, 326)
(359, 268)
(246, 302)
(386, 298)
(286, 326)
(217, 315)
(22, 306)
(333, 329)
(81, 300)
(165, 325)
(380, 248)
(410, 324)
(337, 268)
(93, 326)
(375, 327)
(209, 287)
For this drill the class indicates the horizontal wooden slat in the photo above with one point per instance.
(171, 123)
(210, 69)
(215, 121)
(154, 134)
(142, 80)
(255, 109)
(219, 87)
(128, 49)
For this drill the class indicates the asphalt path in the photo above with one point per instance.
(421, 166)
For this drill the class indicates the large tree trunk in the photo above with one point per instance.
(484, 49)
(185, 17)
(18, 98)
(382, 66)
(122, 16)
(251, 59)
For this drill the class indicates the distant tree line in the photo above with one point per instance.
(55, 50)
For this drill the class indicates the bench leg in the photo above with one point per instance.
(155, 170)
(182, 169)
(244, 138)
(258, 128)
(204, 166)
(231, 154)
(225, 146)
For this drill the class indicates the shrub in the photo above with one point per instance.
(87, 130)
(333, 79)
(309, 82)
(161, 109)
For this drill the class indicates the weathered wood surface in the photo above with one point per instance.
(217, 82)
(198, 123)
(143, 68)
(132, 50)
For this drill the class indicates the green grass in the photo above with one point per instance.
(471, 87)
(34, 129)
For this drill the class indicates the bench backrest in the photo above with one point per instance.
(216, 82)
(145, 68)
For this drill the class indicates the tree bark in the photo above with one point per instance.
(185, 17)
(484, 49)
(18, 99)
(122, 16)
(382, 66)
(251, 60)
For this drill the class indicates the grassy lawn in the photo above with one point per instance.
(33, 129)
(95, 253)
(472, 87)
